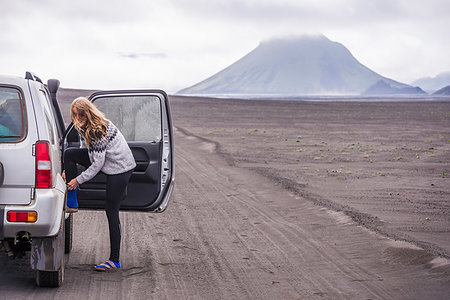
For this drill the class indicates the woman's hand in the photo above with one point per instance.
(63, 175)
(72, 184)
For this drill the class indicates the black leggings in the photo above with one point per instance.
(116, 191)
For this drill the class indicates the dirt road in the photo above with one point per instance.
(384, 162)
(230, 233)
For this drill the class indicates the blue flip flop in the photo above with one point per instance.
(109, 265)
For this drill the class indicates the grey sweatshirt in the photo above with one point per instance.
(110, 154)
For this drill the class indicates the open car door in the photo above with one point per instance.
(143, 117)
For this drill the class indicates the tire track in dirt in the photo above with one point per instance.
(279, 232)
(375, 287)
(230, 233)
(233, 215)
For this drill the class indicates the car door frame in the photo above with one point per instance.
(167, 162)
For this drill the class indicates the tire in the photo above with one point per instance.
(50, 278)
(68, 232)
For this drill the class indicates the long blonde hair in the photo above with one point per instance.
(96, 124)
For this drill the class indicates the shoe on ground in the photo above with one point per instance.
(109, 265)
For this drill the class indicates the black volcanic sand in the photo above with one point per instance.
(385, 164)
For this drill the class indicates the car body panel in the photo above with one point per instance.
(48, 203)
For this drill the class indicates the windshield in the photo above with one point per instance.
(12, 121)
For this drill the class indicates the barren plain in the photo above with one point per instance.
(279, 200)
(384, 163)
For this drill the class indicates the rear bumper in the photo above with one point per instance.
(49, 205)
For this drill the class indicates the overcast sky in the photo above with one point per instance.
(173, 44)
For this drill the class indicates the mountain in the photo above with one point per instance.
(431, 84)
(445, 91)
(307, 65)
(384, 88)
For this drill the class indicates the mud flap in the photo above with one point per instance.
(47, 253)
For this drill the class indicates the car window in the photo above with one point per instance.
(137, 117)
(45, 103)
(12, 116)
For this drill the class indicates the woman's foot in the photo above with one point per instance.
(109, 265)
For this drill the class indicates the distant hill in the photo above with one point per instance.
(432, 84)
(308, 65)
(384, 88)
(445, 91)
(66, 96)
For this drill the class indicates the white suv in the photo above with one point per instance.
(32, 191)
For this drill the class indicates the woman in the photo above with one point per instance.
(106, 151)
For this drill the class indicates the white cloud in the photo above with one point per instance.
(174, 44)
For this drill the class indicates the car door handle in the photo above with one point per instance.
(1, 174)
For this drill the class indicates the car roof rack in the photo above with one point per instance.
(32, 76)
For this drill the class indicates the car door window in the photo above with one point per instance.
(137, 117)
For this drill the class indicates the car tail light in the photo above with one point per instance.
(22, 216)
(43, 173)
